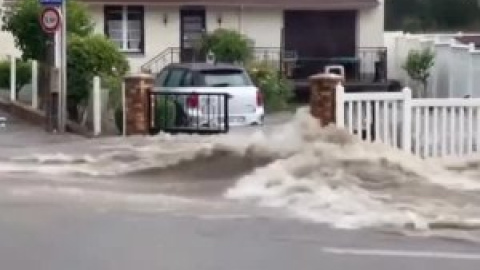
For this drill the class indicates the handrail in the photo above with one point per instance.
(279, 56)
(167, 56)
(161, 56)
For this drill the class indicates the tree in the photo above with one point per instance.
(397, 11)
(418, 66)
(276, 90)
(23, 74)
(23, 22)
(227, 46)
(91, 56)
(428, 15)
(448, 14)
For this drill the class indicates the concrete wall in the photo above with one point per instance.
(263, 26)
(371, 26)
(158, 36)
(7, 45)
(230, 17)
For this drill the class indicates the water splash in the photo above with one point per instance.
(334, 178)
(319, 174)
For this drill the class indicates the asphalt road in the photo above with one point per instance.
(50, 237)
(42, 231)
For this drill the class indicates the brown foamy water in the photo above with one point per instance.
(320, 175)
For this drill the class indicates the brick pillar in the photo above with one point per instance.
(137, 92)
(323, 97)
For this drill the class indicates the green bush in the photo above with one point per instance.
(22, 22)
(165, 115)
(23, 75)
(418, 65)
(276, 89)
(114, 86)
(227, 46)
(88, 57)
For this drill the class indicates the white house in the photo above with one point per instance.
(312, 28)
(163, 31)
(7, 43)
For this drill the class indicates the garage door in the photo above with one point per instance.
(318, 35)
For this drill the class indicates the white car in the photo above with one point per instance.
(199, 91)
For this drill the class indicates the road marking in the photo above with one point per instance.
(404, 253)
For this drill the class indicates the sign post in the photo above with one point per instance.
(63, 119)
(55, 3)
(53, 21)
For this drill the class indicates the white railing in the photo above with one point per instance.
(28, 95)
(97, 106)
(424, 127)
(445, 127)
(373, 116)
(94, 113)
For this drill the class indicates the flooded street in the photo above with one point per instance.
(284, 196)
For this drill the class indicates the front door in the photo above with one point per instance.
(192, 28)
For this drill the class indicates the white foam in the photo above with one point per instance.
(320, 174)
(335, 179)
(98, 196)
(55, 158)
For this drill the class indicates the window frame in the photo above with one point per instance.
(124, 13)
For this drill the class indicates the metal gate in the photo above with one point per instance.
(192, 112)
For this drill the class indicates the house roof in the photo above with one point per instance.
(291, 4)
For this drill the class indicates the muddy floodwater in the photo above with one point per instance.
(297, 170)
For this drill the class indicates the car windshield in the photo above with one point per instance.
(225, 78)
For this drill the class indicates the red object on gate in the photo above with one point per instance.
(193, 101)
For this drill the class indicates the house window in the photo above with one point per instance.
(124, 25)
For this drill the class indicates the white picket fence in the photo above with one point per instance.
(29, 95)
(426, 127)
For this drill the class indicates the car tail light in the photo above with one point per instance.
(192, 101)
(259, 98)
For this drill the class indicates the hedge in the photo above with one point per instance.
(23, 74)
